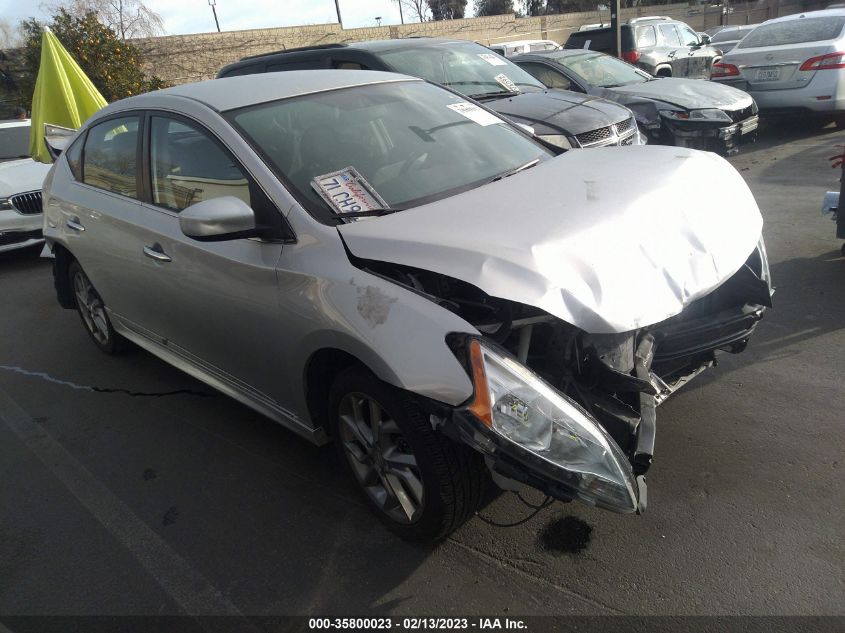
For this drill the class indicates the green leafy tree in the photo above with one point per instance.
(114, 66)
(447, 9)
(493, 7)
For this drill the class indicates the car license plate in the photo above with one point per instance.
(768, 74)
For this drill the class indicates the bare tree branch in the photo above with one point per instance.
(127, 18)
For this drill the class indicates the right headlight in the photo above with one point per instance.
(535, 420)
(558, 140)
(5, 204)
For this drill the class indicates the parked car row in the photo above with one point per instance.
(790, 65)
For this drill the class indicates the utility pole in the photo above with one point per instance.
(211, 3)
(615, 29)
(337, 6)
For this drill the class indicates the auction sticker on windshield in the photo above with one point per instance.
(346, 191)
(493, 60)
(474, 113)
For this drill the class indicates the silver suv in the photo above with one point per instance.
(661, 46)
(369, 258)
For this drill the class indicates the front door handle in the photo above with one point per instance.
(155, 252)
(73, 223)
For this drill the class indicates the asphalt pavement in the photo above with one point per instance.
(120, 497)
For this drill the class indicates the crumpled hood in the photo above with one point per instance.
(689, 94)
(608, 240)
(18, 176)
(562, 111)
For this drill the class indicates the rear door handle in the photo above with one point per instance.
(73, 223)
(155, 252)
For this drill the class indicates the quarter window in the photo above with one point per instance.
(646, 37)
(109, 160)
(187, 167)
(73, 154)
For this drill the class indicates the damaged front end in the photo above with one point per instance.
(573, 413)
(711, 129)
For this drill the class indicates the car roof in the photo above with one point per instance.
(366, 45)
(230, 93)
(826, 13)
(523, 42)
(561, 52)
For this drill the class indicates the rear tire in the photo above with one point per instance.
(92, 312)
(421, 484)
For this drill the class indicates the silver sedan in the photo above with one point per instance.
(369, 258)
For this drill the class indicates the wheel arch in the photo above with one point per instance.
(322, 368)
(62, 259)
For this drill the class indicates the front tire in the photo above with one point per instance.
(422, 485)
(92, 311)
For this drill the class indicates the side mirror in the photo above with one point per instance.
(705, 39)
(57, 138)
(224, 218)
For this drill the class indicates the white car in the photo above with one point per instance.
(21, 179)
(517, 47)
(792, 65)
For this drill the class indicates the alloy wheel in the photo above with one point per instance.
(381, 457)
(91, 308)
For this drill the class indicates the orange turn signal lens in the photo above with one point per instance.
(480, 405)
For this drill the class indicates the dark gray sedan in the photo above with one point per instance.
(673, 111)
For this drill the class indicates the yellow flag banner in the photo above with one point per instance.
(63, 95)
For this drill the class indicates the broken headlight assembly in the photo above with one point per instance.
(527, 425)
(707, 114)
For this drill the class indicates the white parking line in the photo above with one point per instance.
(182, 582)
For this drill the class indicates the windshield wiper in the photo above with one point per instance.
(493, 95)
(372, 213)
(516, 170)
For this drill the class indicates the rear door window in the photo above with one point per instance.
(669, 35)
(794, 32)
(110, 156)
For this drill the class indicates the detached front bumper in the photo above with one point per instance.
(723, 140)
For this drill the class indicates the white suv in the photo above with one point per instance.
(21, 179)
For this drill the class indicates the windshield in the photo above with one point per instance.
(600, 70)
(14, 142)
(412, 142)
(469, 68)
(794, 32)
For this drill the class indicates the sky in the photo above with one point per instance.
(195, 16)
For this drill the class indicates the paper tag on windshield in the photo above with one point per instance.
(506, 82)
(493, 60)
(474, 113)
(346, 191)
